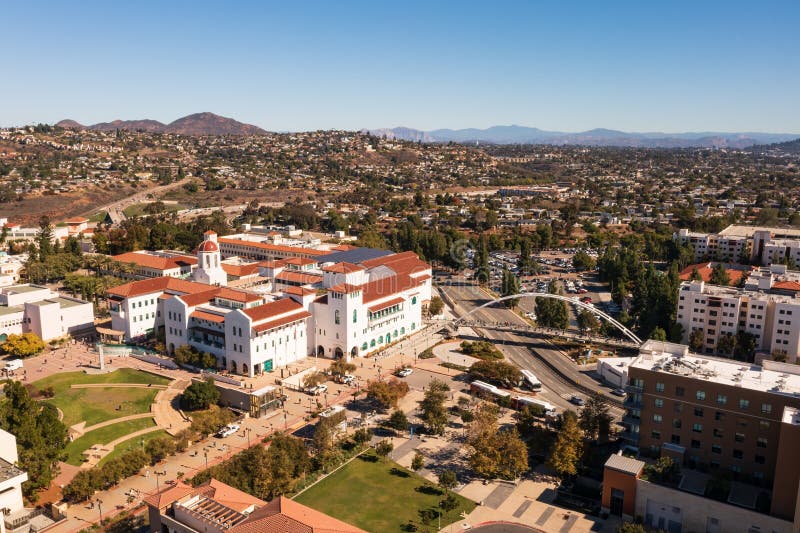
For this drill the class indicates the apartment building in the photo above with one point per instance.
(758, 245)
(767, 307)
(711, 414)
(36, 309)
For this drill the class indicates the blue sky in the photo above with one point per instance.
(569, 66)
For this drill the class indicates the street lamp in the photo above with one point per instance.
(157, 475)
(248, 436)
(100, 508)
(206, 456)
(285, 423)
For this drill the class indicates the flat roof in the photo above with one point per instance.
(10, 310)
(740, 230)
(675, 359)
(628, 465)
(9, 471)
(16, 289)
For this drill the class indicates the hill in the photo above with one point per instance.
(597, 137)
(785, 148)
(197, 124)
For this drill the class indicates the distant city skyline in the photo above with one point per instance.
(674, 67)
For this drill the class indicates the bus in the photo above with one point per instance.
(521, 401)
(531, 381)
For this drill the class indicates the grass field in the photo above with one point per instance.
(98, 217)
(100, 404)
(104, 435)
(131, 444)
(138, 210)
(378, 495)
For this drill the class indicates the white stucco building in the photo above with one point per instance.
(36, 309)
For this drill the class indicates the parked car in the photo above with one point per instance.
(228, 430)
(618, 392)
(577, 400)
(405, 372)
(531, 315)
(316, 391)
(348, 379)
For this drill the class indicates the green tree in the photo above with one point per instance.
(719, 275)
(436, 306)
(583, 261)
(434, 414)
(594, 418)
(340, 367)
(398, 421)
(587, 321)
(418, 461)
(387, 393)
(568, 446)
(499, 372)
(696, 340)
(447, 480)
(630, 527)
(384, 448)
(509, 287)
(658, 334)
(200, 395)
(726, 344)
(160, 448)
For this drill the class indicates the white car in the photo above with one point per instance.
(228, 430)
(404, 373)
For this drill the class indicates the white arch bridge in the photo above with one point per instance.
(464, 319)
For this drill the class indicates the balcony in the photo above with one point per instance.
(632, 402)
(634, 389)
(629, 436)
(632, 420)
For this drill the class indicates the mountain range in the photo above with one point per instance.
(196, 124)
(596, 137)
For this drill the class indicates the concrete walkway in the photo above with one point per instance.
(116, 386)
(164, 409)
(96, 453)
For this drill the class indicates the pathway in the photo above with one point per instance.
(116, 385)
(96, 453)
(164, 409)
(78, 429)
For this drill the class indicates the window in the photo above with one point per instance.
(722, 399)
(413, 300)
(744, 404)
(676, 439)
(695, 444)
(760, 459)
(719, 415)
(761, 442)
(659, 387)
(698, 411)
(766, 408)
(676, 423)
(355, 316)
(658, 402)
(656, 435)
(738, 454)
(657, 418)
(697, 428)
(336, 317)
(679, 391)
(738, 437)
(700, 395)
(763, 424)
(716, 448)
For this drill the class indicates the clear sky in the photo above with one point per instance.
(560, 65)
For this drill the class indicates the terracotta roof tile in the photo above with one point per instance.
(273, 247)
(385, 305)
(272, 310)
(272, 324)
(155, 262)
(288, 516)
(343, 268)
(160, 284)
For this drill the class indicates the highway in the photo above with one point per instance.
(525, 351)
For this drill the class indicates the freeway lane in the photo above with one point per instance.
(517, 348)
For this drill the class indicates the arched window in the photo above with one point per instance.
(380, 339)
(395, 334)
(364, 347)
(355, 316)
(336, 317)
(413, 300)
(403, 330)
(413, 326)
(372, 343)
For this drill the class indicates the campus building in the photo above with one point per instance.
(767, 308)
(756, 244)
(358, 301)
(37, 309)
(718, 417)
(215, 507)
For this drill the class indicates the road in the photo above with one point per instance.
(116, 209)
(525, 351)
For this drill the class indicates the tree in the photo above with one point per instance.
(384, 448)
(159, 448)
(447, 480)
(200, 395)
(509, 287)
(726, 344)
(594, 419)
(495, 453)
(658, 334)
(552, 313)
(340, 367)
(418, 461)
(630, 527)
(583, 261)
(313, 379)
(434, 414)
(436, 306)
(398, 420)
(24, 345)
(587, 321)
(696, 340)
(695, 276)
(387, 393)
(568, 447)
(41, 437)
(719, 275)
(499, 372)
(44, 238)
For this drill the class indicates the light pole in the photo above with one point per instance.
(285, 423)
(248, 436)
(100, 508)
(157, 476)
(205, 454)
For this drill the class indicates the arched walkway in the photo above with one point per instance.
(625, 331)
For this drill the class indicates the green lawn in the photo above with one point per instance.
(100, 216)
(378, 495)
(104, 435)
(131, 444)
(138, 210)
(100, 404)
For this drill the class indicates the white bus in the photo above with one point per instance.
(522, 401)
(531, 381)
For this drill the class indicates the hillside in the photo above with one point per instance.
(197, 124)
(787, 148)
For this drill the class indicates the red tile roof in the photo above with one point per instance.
(386, 304)
(76, 220)
(787, 286)
(230, 496)
(302, 261)
(298, 277)
(343, 268)
(705, 269)
(238, 296)
(345, 288)
(155, 262)
(168, 496)
(211, 317)
(272, 324)
(383, 287)
(299, 291)
(272, 310)
(402, 263)
(239, 271)
(287, 516)
(160, 284)
(199, 298)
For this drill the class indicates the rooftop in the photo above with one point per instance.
(747, 231)
(9, 471)
(671, 358)
(627, 465)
